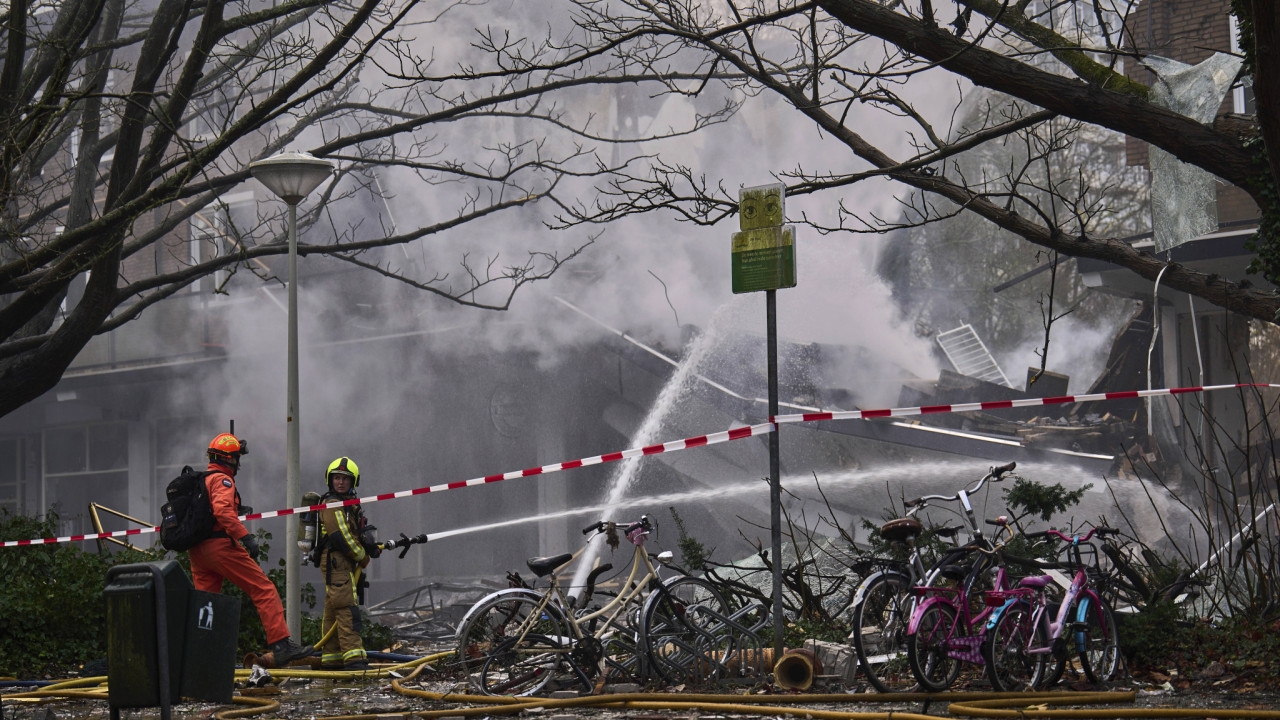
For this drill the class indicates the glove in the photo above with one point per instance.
(250, 544)
(369, 541)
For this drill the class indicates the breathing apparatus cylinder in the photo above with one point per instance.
(308, 521)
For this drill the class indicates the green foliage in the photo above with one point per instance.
(54, 611)
(1159, 639)
(1027, 497)
(1262, 186)
(1145, 637)
(692, 552)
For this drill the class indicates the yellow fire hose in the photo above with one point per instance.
(984, 705)
(996, 708)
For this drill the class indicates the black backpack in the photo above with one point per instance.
(187, 516)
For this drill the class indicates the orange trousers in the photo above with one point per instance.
(221, 558)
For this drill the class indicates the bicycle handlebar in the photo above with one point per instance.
(601, 525)
(996, 474)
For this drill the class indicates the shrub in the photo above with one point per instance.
(694, 554)
(52, 597)
(56, 614)
(1156, 639)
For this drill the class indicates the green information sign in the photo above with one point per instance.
(764, 259)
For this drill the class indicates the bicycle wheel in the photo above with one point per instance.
(501, 616)
(682, 642)
(521, 665)
(1011, 666)
(927, 648)
(472, 637)
(1054, 667)
(1095, 640)
(879, 633)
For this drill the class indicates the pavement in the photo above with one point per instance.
(373, 695)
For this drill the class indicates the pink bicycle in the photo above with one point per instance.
(944, 630)
(1023, 640)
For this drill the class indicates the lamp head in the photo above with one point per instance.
(290, 175)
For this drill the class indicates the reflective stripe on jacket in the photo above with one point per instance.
(340, 528)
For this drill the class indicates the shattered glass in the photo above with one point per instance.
(1183, 201)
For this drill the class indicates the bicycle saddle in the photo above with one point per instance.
(1038, 582)
(544, 565)
(901, 529)
(954, 572)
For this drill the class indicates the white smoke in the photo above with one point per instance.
(411, 386)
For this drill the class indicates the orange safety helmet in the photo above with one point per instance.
(228, 448)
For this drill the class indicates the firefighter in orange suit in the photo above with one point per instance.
(232, 552)
(344, 551)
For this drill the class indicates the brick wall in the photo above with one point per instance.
(1184, 30)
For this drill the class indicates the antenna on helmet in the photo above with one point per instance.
(232, 430)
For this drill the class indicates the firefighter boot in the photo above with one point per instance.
(286, 651)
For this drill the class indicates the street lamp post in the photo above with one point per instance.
(292, 176)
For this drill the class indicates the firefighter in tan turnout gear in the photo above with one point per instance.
(345, 548)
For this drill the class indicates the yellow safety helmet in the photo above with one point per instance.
(345, 466)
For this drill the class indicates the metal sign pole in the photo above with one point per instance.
(763, 258)
(775, 481)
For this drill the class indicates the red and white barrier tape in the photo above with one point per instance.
(1001, 404)
(674, 445)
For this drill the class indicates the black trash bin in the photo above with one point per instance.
(209, 655)
(146, 621)
(166, 640)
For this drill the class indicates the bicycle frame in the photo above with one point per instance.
(553, 601)
(1037, 598)
(636, 585)
(961, 643)
(959, 640)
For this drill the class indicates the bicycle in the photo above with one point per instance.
(944, 630)
(1129, 590)
(514, 641)
(1022, 639)
(882, 605)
